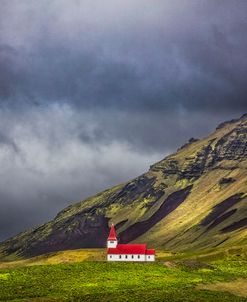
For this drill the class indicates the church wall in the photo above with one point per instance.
(150, 257)
(129, 258)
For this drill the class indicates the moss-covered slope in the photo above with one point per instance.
(193, 199)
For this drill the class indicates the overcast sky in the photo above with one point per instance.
(93, 92)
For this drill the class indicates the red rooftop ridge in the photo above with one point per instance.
(130, 249)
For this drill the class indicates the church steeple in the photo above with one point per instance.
(112, 238)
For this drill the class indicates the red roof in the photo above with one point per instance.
(128, 249)
(150, 252)
(112, 234)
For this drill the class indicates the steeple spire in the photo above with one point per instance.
(112, 234)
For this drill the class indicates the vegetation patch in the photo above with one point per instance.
(221, 207)
(221, 218)
(4, 276)
(195, 264)
(235, 226)
(226, 181)
(237, 287)
(57, 258)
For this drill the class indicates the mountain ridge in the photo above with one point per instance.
(165, 206)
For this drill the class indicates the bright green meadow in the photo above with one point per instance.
(165, 280)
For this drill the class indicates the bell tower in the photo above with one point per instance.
(112, 238)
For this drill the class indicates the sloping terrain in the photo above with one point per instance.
(193, 199)
(60, 277)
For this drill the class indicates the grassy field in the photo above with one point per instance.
(76, 276)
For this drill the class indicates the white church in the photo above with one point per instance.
(127, 252)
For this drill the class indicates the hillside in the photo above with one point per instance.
(193, 199)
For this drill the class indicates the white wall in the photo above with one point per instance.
(150, 257)
(111, 243)
(128, 259)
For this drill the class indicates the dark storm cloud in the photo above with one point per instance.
(93, 92)
(127, 53)
(55, 155)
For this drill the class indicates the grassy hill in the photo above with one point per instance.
(194, 199)
(76, 276)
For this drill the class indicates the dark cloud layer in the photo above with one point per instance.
(92, 92)
(125, 53)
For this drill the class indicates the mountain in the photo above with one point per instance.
(193, 199)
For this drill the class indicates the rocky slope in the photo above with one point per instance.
(193, 199)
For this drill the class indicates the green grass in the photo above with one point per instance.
(102, 281)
